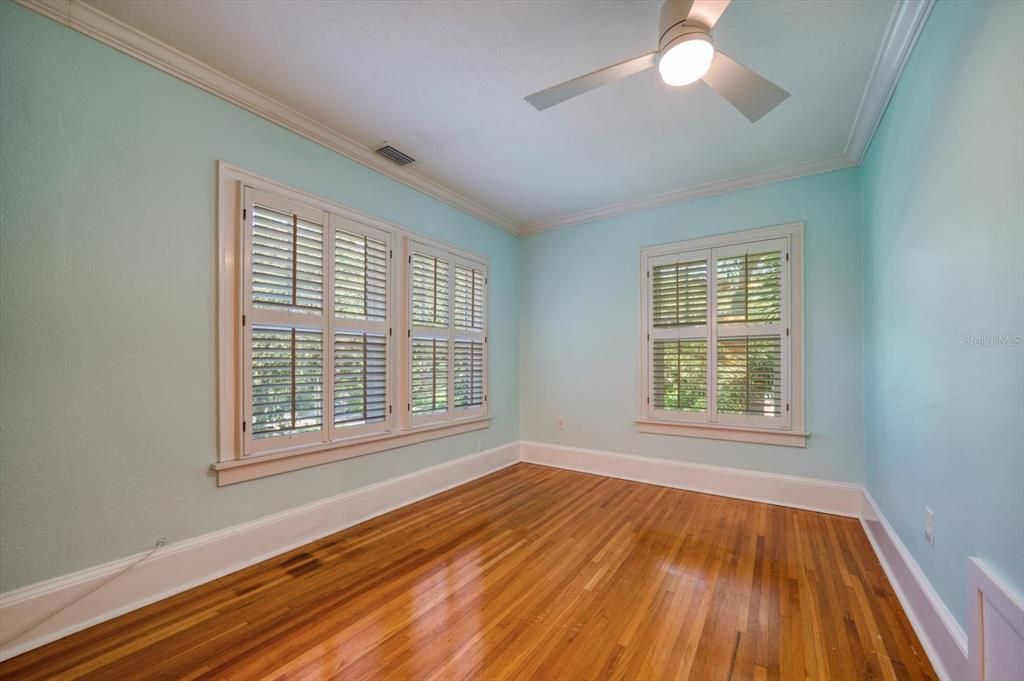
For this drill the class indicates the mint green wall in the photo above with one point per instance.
(580, 336)
(944, 259)
(107, 303)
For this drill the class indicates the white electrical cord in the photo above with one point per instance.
(10, 639)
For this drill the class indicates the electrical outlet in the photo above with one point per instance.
(929, 525)
(480, 445)
(560, 422)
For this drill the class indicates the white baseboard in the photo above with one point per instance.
(183, 565)
(838, 498)
(941, 635)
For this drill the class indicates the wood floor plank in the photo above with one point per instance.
(531, 572)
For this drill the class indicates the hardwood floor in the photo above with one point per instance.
(531, 572)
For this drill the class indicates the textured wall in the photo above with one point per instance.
(580, 320)
(944, 260)
(107, 303)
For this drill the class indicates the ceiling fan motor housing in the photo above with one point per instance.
(677, 26)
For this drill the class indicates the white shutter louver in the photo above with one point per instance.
(750, 375)
(287, 260)
(429, 281)
(469, 298)
(750, 288)
(360, 379)
(680, 294)
(680, 376)
(287, 381)
(360, 276)
(469, 373)
(429, 379)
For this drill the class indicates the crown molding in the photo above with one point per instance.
(908, 18)
(906, 23)
(108, 30)
(823, 165)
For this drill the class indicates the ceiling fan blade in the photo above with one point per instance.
(751, 93)
(707, 12)
(577, 86)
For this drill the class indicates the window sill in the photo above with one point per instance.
(250, 468)
(717, 431)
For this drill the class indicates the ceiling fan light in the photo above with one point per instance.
(686, 60)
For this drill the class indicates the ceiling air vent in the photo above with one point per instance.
(389, 152)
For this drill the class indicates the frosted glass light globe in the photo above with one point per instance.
(686, 61)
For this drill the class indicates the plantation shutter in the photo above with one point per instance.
(717, 334)
(360, 378)
(285, 325)
(751, 333)
(677, 335)
(429, 390)
(469, 362)
(361, 328)
(680, 293)
(447, 335)
(469, 374)
(287, 381)
(680, 374)
(430, 357)
(313, 360)
(287, 260)
(430, 286)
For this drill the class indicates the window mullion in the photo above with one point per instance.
(328, 326)
(712, 351)
(245, 304)
(786, 340)
(451, 337)
(648, 357)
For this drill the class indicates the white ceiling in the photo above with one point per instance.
(445, 81)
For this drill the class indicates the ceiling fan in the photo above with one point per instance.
(686, 53)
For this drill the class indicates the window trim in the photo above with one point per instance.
(233, 464)
(794, 433)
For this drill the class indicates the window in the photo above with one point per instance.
(322, 337)
(447, 296)
(316, 365)
(722, 325)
